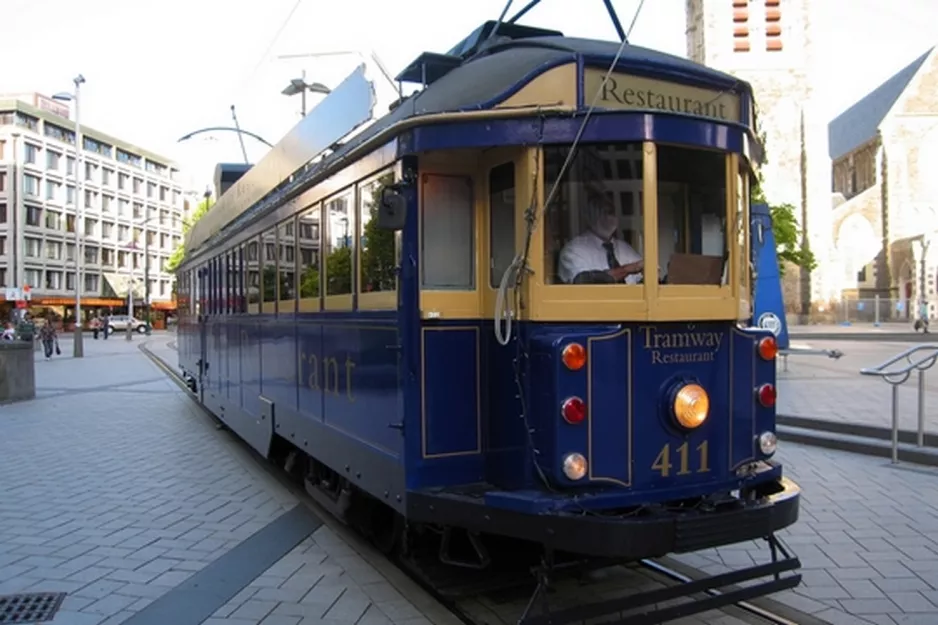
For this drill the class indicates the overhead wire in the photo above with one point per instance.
(270, 46)
(513, 278)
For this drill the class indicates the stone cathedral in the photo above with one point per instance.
(864, 185)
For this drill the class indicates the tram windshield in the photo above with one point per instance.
(596, 226)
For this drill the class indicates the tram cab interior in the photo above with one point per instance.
(681, 210)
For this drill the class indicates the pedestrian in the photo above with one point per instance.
(106, 325)
(95, 327)
(26, 329)
(9, 332)
(47, 336)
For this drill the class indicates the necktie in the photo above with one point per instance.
(611, 255)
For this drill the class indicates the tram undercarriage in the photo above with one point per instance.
(457, 563)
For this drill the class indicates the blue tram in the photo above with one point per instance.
(515, 305)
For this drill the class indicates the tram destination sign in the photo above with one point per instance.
(636, 93)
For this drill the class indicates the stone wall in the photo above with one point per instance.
(856, 172)
(797, 171)
(17, 371)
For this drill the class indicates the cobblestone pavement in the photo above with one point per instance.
(867, 539)
(116, 489)
(821, 388)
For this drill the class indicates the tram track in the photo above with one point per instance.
(486, 610)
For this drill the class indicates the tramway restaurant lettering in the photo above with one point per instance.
(636, 93)
(327, 374)
(696, 346)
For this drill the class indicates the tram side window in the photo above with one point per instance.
(743, 201)
(269, 277)
(339, 235)
(224, 265)
(501, 220)
(308, 239)
(692, 245)
(447, 248)
(252, 281)
(378, 248)
(231, 275)
(240, 302)
(594, 224)
(286, 265)
(212, 286)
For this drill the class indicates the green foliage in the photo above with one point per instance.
(339, 271)
(175, 259)
(378, 258)
(269, 279)
(309, 282)
(788, 235)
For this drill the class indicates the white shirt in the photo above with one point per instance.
(586, 253)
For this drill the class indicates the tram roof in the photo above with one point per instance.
(479, 83)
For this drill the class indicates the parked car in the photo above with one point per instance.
(118, 323)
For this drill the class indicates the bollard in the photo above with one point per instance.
(876, 317)
(895, 424)
(920, 439)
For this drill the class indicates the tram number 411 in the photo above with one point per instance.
(663, 463)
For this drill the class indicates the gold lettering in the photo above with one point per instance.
(663, 466)
(331, 364)
(349, 365)
(628, 92)
(312, 379)
(704, 345)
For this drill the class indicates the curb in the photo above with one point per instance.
(888, 337)
(862, 439)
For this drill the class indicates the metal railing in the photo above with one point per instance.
(897, 377)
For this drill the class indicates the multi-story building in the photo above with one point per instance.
(132, 202)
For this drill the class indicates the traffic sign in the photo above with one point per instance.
(27, 292)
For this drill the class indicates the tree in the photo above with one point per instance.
(789, 243)
(175, 259)
(378, 257)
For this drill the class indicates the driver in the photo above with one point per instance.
(597, 256)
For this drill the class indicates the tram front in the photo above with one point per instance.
(651, 388)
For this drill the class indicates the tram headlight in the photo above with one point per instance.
(768, 443)
(691, 406)
(575, 466)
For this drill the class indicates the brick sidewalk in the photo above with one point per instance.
(817, 387)
(119, 491)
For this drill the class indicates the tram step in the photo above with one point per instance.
(858, 444)
(852, 429)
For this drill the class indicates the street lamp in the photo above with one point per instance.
(365, 55)
(300, 86)
(78, 350)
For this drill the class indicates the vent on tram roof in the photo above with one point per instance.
(431, 66)
(36, 607)
(226, 174)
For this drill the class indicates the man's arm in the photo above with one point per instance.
(575, 268)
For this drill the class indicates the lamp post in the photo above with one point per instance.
(300, 86)
(364, 55)
(78, 349)
(146, 281)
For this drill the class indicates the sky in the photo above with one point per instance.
(157, 70)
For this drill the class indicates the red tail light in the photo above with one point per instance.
(768, 348)
(766, 394)
(573, 410)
